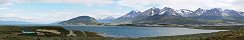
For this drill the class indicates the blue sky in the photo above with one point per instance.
(48, 11)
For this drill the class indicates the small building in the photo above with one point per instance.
(27, 32)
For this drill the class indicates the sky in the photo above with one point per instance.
(48, 11)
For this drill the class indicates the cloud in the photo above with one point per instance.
(60, 15)
(36, 16)
(3, 2)
(239, 5)
(3, 8)
(50, 16)
(137, 4)
(104, 13)
(83, 2)
(145, 4)
(194, 4)
(183, 4)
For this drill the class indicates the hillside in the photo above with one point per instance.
(81, 20)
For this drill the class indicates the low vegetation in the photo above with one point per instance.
(235, 33)
(48, 32)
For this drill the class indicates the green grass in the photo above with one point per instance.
(235, 33)
(11, 33)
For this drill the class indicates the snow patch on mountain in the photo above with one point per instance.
(106, 20)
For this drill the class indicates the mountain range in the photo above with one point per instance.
(106, 20)
(167, 15)
(182, 16)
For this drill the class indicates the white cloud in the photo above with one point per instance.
(194, 4)
(52, 15)
(104, 13)
(57, 15)
(145, 4)
(36, 16)
(4, 4)
(7, 4)
(3, 8)
(3, 1)
(83, 2)
(138, 4)
(184, 4)
(238, 5)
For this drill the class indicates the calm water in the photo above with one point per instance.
(119, 31)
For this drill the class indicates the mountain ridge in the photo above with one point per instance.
(106, 20)
(81, 20)
(154, 14)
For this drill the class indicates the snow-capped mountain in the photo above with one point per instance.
(197, 12)
(106, 20)
(184, 12)
(137, 15)
(152, 11)
(214, 12)
(157, 13)
(232, 13)
(132, 15)
(242, 13)
(166, 11)
(218, 13)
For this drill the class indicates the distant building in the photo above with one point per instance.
(28, 32)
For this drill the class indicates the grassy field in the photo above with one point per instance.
(13, 33)
(235, 33)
